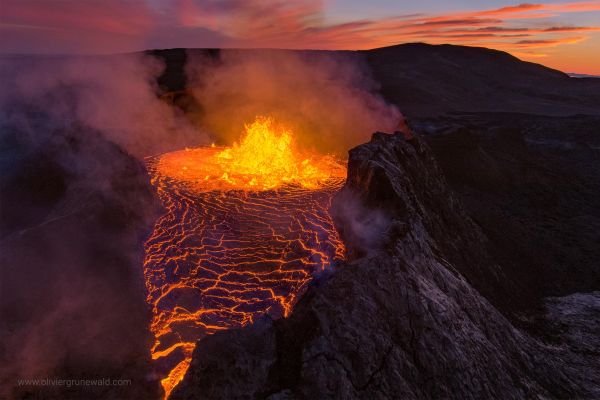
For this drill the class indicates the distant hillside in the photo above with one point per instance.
(429, 80)
(576, 75)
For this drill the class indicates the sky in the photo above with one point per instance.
(560, 34)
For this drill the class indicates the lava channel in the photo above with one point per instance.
(236, 242)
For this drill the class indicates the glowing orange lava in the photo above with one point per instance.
(266, 158)
(245, 229)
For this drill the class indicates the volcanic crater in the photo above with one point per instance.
(245, 229)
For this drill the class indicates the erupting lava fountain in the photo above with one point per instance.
(245, 228)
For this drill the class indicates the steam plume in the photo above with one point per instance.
(327, 100)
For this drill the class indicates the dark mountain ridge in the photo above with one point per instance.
(429, 80)
(426, 80)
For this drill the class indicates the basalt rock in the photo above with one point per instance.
(532, 183)
(414, 313)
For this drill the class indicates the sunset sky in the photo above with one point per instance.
(561, 34)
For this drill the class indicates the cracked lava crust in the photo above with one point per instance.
(245, 229)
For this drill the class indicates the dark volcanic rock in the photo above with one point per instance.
(424, 208)
(401, 320)
(431, 80)
(576, 318)
(532, 183)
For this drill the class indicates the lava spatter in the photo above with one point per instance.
(244, 231)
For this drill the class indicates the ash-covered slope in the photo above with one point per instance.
(430, 80)
(532, 183)
(406, 317)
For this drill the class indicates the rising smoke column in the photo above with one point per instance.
(328, 99)
(75, 207)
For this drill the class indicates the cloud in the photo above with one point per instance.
(513, 9)
(75, 207)
(548, 42)
(124, 17)
(115, 96)
(120, 25)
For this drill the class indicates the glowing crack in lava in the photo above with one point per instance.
(245, 228)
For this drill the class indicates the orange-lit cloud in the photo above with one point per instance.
(120, 25)
(115, 17)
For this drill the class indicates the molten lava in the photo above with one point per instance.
(245, 229)
(266, 158)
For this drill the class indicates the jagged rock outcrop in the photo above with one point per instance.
(406, 317)
(403, 187)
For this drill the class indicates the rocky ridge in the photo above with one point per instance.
(408, 316)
